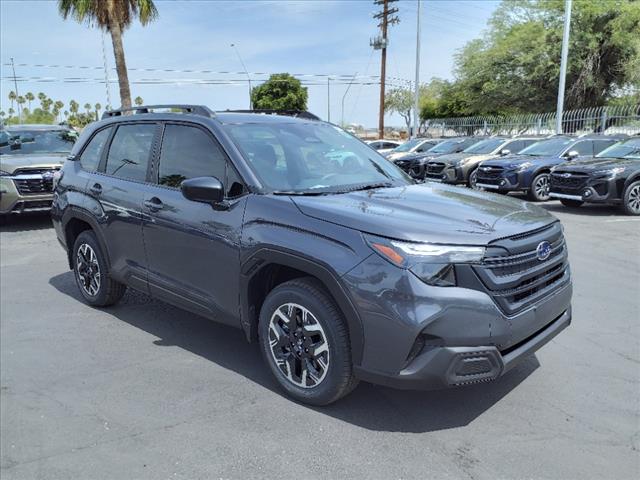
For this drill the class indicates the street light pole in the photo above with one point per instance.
(15, 83)
(344, 96)
(563, 64)
(246, 72)
(416, 93)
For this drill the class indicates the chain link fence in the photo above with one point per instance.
(607, 120)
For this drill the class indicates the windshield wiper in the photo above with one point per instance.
(364, 186)
(301, 193)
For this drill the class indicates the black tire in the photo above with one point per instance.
(631, 199)
(473, 177)
(107, 291)
(539, 191)
(567, 202)
(337, 380)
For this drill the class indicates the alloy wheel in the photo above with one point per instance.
(298, 345)
(88, 270)
(542, 187)
(634, 199)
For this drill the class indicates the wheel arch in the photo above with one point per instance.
(74, 222)
(267, 268)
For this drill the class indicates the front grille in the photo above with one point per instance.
(569, 181)
(513, 275)
(435, 169)
(490, 172)
(34, 181)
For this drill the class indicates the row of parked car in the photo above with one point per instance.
(573, 169)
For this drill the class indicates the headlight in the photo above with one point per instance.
(432, 263)
(610, 172)
(523, 166)
(464, 161)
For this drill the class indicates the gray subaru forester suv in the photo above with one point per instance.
(334, 260)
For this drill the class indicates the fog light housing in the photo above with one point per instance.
(586, 193)
(503, 183)
(444, 177)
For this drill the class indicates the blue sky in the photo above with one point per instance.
(312, 37)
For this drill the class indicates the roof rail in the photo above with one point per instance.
(195, 109)
(288, 113)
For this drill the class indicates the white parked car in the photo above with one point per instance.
(383, 146)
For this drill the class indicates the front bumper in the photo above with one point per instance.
(444, 367)
(13, 202)
(449, 174)
(594, 190)
(508, 181)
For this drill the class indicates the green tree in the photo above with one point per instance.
(515, 66)
(12, 97)
(138, 101)
(87, 107)
(400, 101)
(281, 92)
(113, 16)
(97, 106)
(74, 106)
(30, 98)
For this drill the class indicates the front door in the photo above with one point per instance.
(193, 249)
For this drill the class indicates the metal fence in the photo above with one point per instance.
(608, 120)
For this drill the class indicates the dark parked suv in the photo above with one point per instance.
(528, 171)
(341, 266)
(613, 177)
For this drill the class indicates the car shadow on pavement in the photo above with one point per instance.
(368, 406)
(25, 222)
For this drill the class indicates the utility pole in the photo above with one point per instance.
(387, 17)
(416, 100)
(344, 96)
(246, 73)
(15, 83)
(106, 72)
(563, 65)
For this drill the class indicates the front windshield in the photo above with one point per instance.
(26, 142)
(312, 158)
(408, 145)
(549, 147)
(628, 149)
(485, 146)
(448, 146)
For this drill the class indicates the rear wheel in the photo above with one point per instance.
(631, 199)
(539, 191)
(305, 342)
(567, 202)
(473, 179)
(92, 272)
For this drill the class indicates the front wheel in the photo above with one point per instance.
(305, 342)
(571, 203)
(631, 199)
(473, 179)
(539, 191)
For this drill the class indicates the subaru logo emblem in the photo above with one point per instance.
(566, 175)
(543, 250)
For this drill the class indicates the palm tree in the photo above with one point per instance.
(74, 106)
(114, 16)
(2, 114)
(30, 98)
(138, 100)
(97, 106)
(11, 112)
(87, 107)
(12, 97)
(42, 97)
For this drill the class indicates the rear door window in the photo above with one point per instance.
(130, 151)
(600, 145)
(90, 158)
(584, 148)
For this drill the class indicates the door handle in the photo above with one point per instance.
(96, 189)
(154, 204)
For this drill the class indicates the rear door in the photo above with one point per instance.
(193, 249)
(117, 191)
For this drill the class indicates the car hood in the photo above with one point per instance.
(596, 164)
(11, 163)
(428, 213)
(513, 161)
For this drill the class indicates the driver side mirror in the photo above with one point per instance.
(572, 155)
(505, 151)
(204, 190)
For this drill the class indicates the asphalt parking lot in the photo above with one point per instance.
(144, 390)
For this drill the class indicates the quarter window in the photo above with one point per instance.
(129, 153)
(90, 158)
(188, 152)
